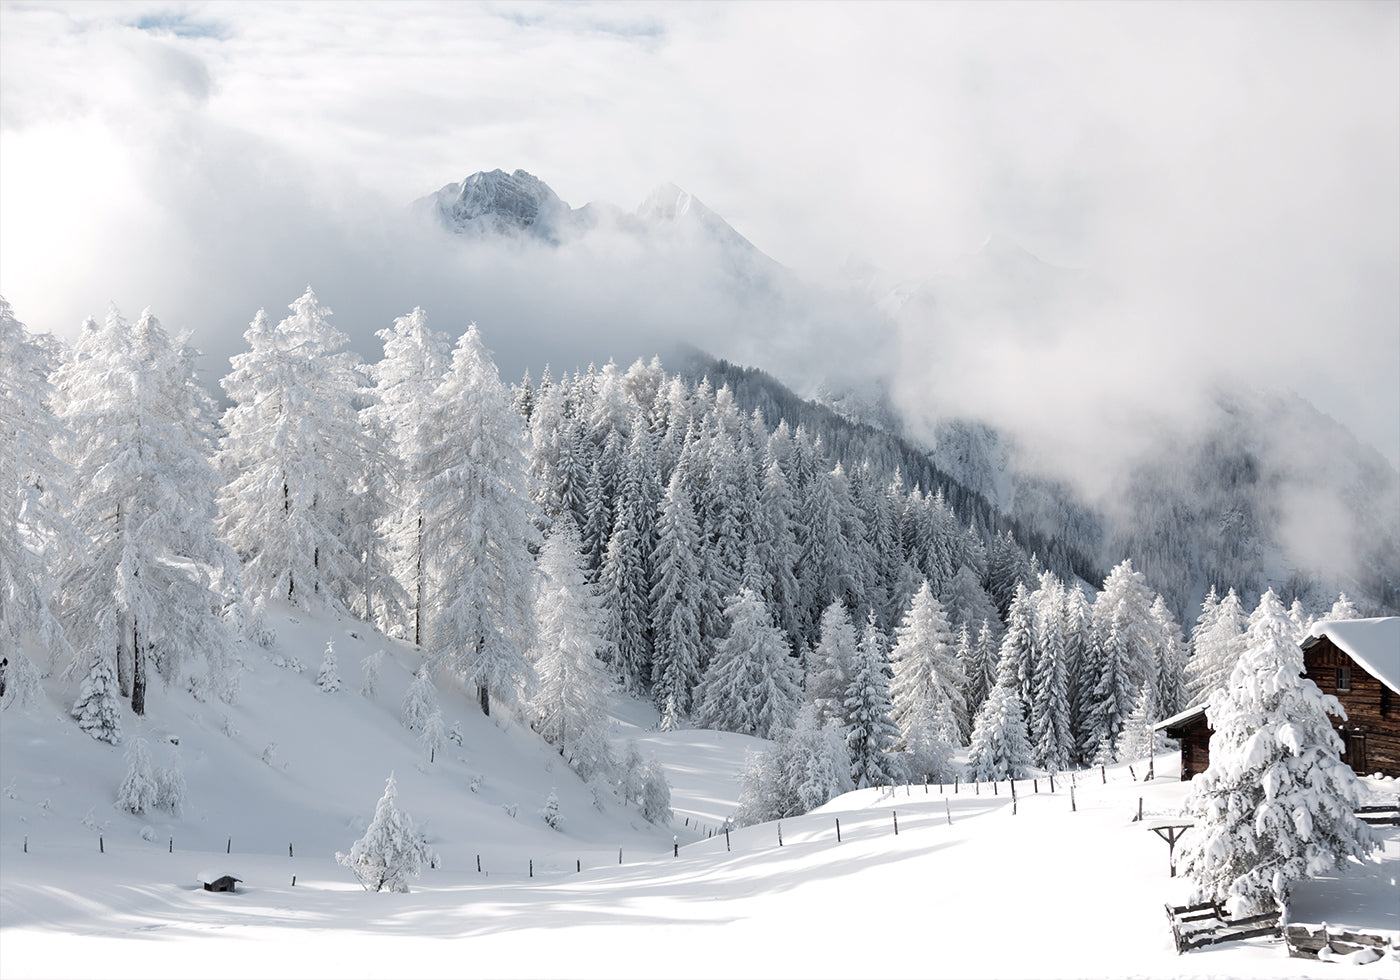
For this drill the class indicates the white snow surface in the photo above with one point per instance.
(1373, 643)
(1043, 892)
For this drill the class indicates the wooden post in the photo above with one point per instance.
(838, 830)
(675, 847)
(1052, 782)
(1035, 787)
(977, 787)
(895, 814)
(532, 867)
(925, 784)
(994, 788)
(229, 848)
(1151, 768)
(955, 785)
(289, 850)
(26, 843)
(780, 833)
(100, 848)
(1072, 807)
(578, 866)
(1103, 773)
(726, 838)
(1131, 773)
(172, 845)
(1013, 797)
(1139, 816)
(949, 810)
(478, 864)
(294, 881)
(619, 855)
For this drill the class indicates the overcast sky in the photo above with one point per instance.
(1228, 170)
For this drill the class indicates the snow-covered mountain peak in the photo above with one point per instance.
(670, 203)
(499, 202)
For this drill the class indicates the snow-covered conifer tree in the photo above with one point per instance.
(1343, 608)
(753, 684)
(292, 455)
(391, 851)
(369, 667)
(1276, 804)
(1000, 746)
(831, 664)
(1137, 740)
(656, 793)
(171, 790)
(1170, 652)
(926, 669)
(434, 734)
(675, 602)
(1052, 737)
(871, 733)
(570, 699)
(1218, 641)
(138, 792)
(419, 701)
(478, 528)
(328, 677)
(98, 709)
(550, 811)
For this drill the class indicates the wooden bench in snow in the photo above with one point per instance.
(1380, 816)
(1307, 942)
(224, 884)
(1194, 926)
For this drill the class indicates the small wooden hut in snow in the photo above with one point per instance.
(224, 884)
(1358, 661)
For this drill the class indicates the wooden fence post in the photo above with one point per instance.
(1103, 773)
(619, 855)
(578, 865)
(994, 788)
(1131, 773)
(780, 833)
(949, 810)
(478, 864)
(1052, 782)
(895, 814)
(726, 838)
(532, 867)
(100, 848)
(289, 850)
(229, 848)
(1072, 807)
(26, 843)
(1035, 787)
(294, 881)
(172, 845)
(675, 847)
(1013, 797)
(838, 830)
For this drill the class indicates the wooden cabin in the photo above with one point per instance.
(1358, 661)
(1193, 731)
(224, 884)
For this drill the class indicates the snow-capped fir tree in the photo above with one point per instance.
(478, 528)
(1052, 736)
(871, 733)
(156, 580)
(624, 597)
(369, 668)
(550, 811)
(138, 792)
(966, 602)
(419, 701)
(807, 765)
(1124, 605)
(1171, 660)
(753, 684)
(926, 669)
(35, 534)
(292, 454)
(171, 790)
(434, 734)
(979, 665)
(98, 709)
(1276, 804)
(1112, 700)
(675, 605)
(1301, 620)
(831, 664)
(1000, 746)
(1218, 641)
(1137, 740)
(631, 774)
(328, 677)
(824, 562)
(391, 851)
(1007, 566)
(1343, 608)
(570, 699)
(1020, 643)
(656, 793)
(775, 549)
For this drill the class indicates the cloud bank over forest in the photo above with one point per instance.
(1223, 177)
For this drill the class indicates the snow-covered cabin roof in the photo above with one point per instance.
(1179, 718)
(1372, 643)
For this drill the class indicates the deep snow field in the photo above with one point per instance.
(1043, 892)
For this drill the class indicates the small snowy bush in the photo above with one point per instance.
(369, 685)
(139, 792)
(419, 702)
(170, 786)
(551, 813)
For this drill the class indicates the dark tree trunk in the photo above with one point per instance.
(138, 682)
(485, 694)
(420, 587)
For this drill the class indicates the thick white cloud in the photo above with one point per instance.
(1227, 172)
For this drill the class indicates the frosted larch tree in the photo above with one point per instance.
(831, 664)
(926, 668)
(478, 528)
(391, 851)
(753, 684)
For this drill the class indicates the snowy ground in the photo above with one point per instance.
(1045, 892)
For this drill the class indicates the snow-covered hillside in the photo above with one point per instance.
(1059, 887)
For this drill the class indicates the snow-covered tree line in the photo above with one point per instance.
(544, 542)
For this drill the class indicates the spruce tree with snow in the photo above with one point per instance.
(631, 774)
(171, 790)
(1019, 642)
(1171, 660)
(570, 699)
(1124, 605)
(391, 851)
(980, 667)
(624, 596)
(1138, 740)
(1218, 641)
(434, 734)
(1276, 804)
(807, 765)
(98, 709)
(138, 792)
(550, 812)
(930, 740)
(753, 684)
(871, 733)
(156, 571)
(675, 602)
(656, 793)
(1052, 736)
(369, 669)
(1343, 608)
(478, 528)
(292, 455)
(1000, 746)
(328, 677)
(35, 534)
(926, 670)
(419, 701)
(831, 664)
(1112, 699)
